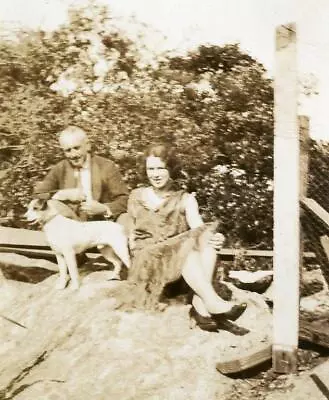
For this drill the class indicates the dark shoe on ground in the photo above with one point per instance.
(204, 323)
(229, 326)
(234, 313)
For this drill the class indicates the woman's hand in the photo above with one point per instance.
(216, 241)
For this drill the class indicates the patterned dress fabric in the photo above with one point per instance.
(162, 244)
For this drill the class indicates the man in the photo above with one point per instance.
(90, 185)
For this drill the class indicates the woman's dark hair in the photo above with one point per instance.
(167, 153)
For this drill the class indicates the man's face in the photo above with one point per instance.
(75, 148)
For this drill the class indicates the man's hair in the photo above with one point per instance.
(72, 130)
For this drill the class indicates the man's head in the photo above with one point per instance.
(74, 142)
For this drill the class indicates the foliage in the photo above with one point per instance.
(214, 104)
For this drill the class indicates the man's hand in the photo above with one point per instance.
(74, 195)
(93, 207)
(217, 241)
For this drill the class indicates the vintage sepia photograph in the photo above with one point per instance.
(164, 212)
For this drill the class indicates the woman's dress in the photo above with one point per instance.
(161, 243)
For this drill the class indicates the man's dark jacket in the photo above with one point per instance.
(108, 186)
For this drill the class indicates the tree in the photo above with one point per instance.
(214, 104)
(230, 101)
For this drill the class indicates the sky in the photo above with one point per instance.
(188, 23)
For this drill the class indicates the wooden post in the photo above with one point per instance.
(304, 140)
(286, 256)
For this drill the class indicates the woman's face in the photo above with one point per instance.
(157, 172)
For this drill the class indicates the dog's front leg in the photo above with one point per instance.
(63, 277)
(71, 262)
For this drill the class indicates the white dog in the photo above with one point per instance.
(67, 238)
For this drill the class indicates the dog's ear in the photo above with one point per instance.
(40, 204)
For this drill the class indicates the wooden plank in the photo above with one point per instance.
(47, 254)
(286, 203)
(315, 208)
(231, 253)
(324, 265)
(316, 332)
(28, 252)
(226, 254)
(22, 237)
(304, 139)
(325, 244)
(259, 354)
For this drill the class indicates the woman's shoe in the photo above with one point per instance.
(259, 286)
(229, 326)
(234, 313)
(204, 323)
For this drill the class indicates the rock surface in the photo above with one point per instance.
(310, 385)
(82, 345)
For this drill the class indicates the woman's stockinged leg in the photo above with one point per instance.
(199, 279)
(208, 258)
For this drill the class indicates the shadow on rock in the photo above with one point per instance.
(28, 275)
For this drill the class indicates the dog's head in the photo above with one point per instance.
(42, 211)
(37, 211)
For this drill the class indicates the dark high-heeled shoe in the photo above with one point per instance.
(204, 323)
(234, 313)
(259, 286)
(229, 326)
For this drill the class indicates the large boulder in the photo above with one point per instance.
(84, 345)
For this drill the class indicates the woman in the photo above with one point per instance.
(168, 239)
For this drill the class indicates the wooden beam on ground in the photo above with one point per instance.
(259, 354)
(316, 333)
(286, 203)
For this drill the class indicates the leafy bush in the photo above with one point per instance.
(214, 104)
